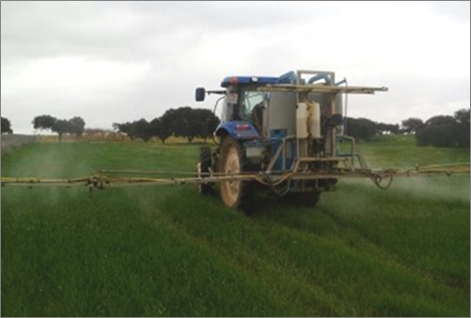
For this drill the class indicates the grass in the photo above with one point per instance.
(166, 251)
(401, 152)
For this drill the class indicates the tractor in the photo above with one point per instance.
(279, 133)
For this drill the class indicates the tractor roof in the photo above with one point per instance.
(247, 80)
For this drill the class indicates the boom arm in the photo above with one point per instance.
(319, 88)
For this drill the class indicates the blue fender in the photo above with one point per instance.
(238, 130)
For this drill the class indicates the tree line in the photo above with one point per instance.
(184, 122)
(438, 131)
(365, 129)
(187, 122)
(74, 126)
(441, 131)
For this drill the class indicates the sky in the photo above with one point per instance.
(121, 61)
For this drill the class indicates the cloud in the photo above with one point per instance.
(457, 11)
(118, 61)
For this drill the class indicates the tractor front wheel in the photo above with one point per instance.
(235, 194)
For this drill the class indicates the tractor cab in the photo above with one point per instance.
(243, 100)
(243, 105)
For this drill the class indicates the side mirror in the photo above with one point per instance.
(200, 94)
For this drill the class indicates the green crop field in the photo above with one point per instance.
(166, 251)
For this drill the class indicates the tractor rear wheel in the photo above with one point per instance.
(235, 194)
(203, 167)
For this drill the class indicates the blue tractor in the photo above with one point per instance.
(279, 133)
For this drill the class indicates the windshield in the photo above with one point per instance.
(249, 100)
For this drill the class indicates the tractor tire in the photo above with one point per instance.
(203, 167)
(234, 194)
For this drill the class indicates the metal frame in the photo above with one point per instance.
(111, 178)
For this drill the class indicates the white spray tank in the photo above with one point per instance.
(302, 112)
(314, 120)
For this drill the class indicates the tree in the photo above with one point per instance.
(438, 131)
(136, 129)
(6, 126)
(61, 127)
(208, 122)
(191, 123)
(44, 122)
(125, 128)
(361, 128)
(169, 122)
(186, 124)
(143, 129)
(383, 128)
(463, 131)
(412, 125)
(160, 129)
(76, 126)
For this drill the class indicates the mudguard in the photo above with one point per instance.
(238, 130)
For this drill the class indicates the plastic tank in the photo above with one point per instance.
(314, 121)
(338, 109)
(302, 112)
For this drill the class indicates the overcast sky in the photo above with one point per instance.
(121, 61)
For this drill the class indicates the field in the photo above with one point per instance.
(166, 251)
